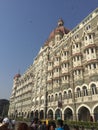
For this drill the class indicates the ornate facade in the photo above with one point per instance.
(63, 79)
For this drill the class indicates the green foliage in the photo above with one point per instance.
(22, 119)
(81, 124)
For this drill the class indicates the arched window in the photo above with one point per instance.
(49, 98)
(73, 46)
(93, 89)
(85, 92)
(60, 96)
(65, 95)
(56, 97)
(78, 92)
(69, 94)
(52, 98)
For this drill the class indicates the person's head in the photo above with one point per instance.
(44, 122)
(22, 126)
(5, 124)
(5, 121)
(51, 125)
(39, 122)
(30, 128)
(4, 127)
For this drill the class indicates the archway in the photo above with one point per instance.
(41, 114)
(22, 114)
(68, 114)
(50, 114)
(96, 113)
(58, 114)
(28, 114)
(36, 113)
(19, 114)
(83, 114)
(32, 114)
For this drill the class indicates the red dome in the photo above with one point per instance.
(17, 76)
(62, 30)
(59, 29)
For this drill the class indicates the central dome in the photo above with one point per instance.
(60, 29)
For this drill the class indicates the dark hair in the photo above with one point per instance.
(51, 123)
(4, 127)
(22, 126)
(30, 128)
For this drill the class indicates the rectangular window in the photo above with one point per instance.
(65, 65)
(90, 37)
(87, 51)
(57, 70)
(65, 53)
(94, 65)
(90, 66)
(92, 50)
(77, 45)
(78, 71)
(86, 38)
(78, 58)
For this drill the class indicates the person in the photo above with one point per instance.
(13, 124)
(10, 124)
(34, 124)
(22, 126)
(59, 124)
(40, 127)
(44, 126)
(5, 124)
(51, 125)
(30, 128)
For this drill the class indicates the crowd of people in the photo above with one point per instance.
(7, 124)
(36, 124)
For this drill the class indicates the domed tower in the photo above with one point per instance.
(57, 34)
(17, 76)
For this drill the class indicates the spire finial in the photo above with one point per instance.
(60, 22)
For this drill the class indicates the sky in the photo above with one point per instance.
(25, 25)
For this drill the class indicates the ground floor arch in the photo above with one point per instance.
(32, 114)
(68, 115)
(84, 114)
(36, 113)
(96, 113)
(50, 114)
(41, 116)
(58, 114)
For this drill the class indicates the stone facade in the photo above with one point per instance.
(63, 79)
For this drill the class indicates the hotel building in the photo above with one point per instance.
(63, 79)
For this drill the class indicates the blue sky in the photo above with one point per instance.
(25, 26)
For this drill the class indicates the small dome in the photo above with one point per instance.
(17, 76)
